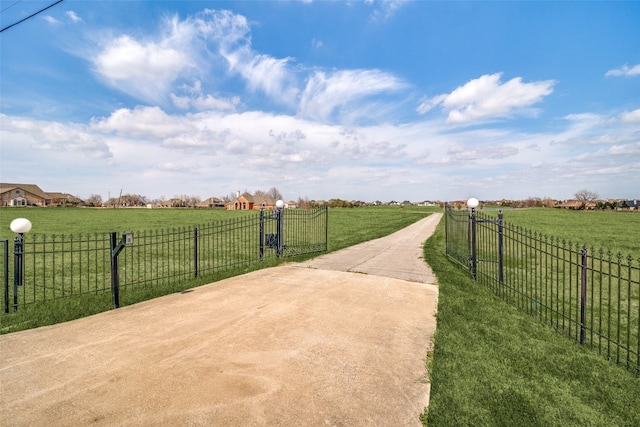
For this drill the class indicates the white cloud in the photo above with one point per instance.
(54, 136)
(193, 97)
(488, 98)
(625, 70)
(208, 44)
(630, 116)
(174, 167)
(51, 20)
(142, 122)
(324, 94)
(216, 152)
(211, 48)
(73, 16)
(265, 73)
(144, 70)
(205, 102)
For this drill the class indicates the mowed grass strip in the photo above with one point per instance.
(494, 365)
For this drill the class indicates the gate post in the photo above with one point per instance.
(473, 204)
(20, 226)
(261, 233)
(195, 251)
(115, 277)
(115, 249)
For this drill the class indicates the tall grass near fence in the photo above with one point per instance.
(587, 293)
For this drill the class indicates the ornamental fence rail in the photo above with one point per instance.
(591, 295)
(47, 267)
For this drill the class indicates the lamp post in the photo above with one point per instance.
(473, 204)
(20, 226)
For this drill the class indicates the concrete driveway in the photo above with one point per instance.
(314, 343)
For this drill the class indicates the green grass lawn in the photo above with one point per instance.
(609, 230)
(496, 366)
(346, 227)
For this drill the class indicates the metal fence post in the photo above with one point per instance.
(446, 228)
(326, 228)
(280, 225)
(117, 247)
(583, 295)
(5, 247)
(195, 251)
(500, 248)
(474, 261)
(18, 267)
(261, 233)
(115, 277)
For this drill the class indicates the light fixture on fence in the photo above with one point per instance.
(19, 226)
(473, 203)
(280, 204)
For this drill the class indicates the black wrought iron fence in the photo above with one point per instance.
(60, 266)
(591, 295)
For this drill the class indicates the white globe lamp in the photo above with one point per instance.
(20, 225)
(473, 203)
(279, 204)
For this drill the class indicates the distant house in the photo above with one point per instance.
(632, 205)
(23, 195)
(247, 202)
(211, 202)
(12, 194)
(576, 204)
(61, 199)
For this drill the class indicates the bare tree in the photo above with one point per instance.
(94, 200)
(304, 203)
(586, 196)
(275, 193)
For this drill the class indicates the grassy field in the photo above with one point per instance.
(89, 220)
(346, 227)
(614, 231)
(494, 365)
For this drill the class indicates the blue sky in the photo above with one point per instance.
(369, 100)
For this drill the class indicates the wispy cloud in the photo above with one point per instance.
(327, 92)
(51, 20)
(73, 16)
(384, 9)
(625, 70)
(487, 98)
